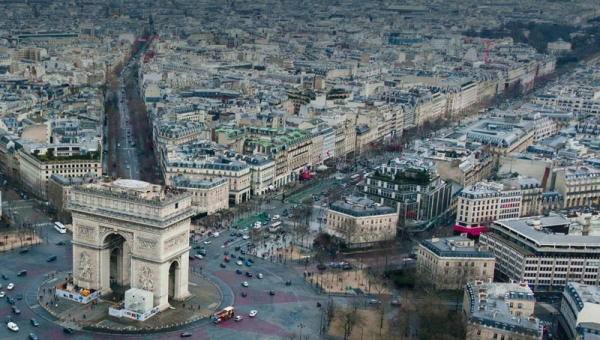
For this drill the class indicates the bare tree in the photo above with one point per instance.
(381, 313)
(330, 310)
(349, 319)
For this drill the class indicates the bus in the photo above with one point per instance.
(275, 227)
(60, 227)
(225, 314)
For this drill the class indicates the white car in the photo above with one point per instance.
(258, 223)
(238, 318)
(253, 313)
(10, 286)
(198, 256)
(206, 242)
(239, 263)
(260, 275)
(2, 294)
(245, 237)
(275, 217)
(12, 326)
(245, 284)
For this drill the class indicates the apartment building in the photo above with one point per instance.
(208, 195)
(531, 194)
(503, 135)
(579, 311)
(237, 173)
(500, 311)
(462, 165)
(452, 262)
(482, 203)
(546, 252)
(413, 188)
(58, 193)
(578, 185)
(359, 222)
(36, 169)
(262, 171)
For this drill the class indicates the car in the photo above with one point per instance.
(248, 263)
(395, 302)
(237, 248)
(2, 294)
(207, 242)
(239, 263)
(288, 283)
(249, 274)
(245, 237)
(198, 247)
(51, 258)
(33, 336)
(321, 266)
(241, 258)
(10, 286)
(244, 294)
(227, 259)
(192, 258)
(19, 296)
(60, 243)
(128, 167)
(67, 330)
(374, 302)
(251, 260)
(22, 273)
(34, 322)
(275, 217)
(13, 326)
(10, 300)
(202, 252)
(8, 319)
(238, 318)
(245, 283)
(239, 271)
(226, 252)
(24, 250)
(223, 265)
(4, 277)
(271, 292)
(253, 313)
(198, 256)
(16, 310)
(243, 252)
(239, 235)
(260, 275)
(233, 255)
(186, 335)
(226, 243)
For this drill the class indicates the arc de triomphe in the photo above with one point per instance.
(131, 233)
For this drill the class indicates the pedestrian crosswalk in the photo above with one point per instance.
(44, 224)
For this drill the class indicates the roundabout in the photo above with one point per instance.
(211, 287)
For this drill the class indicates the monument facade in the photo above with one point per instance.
(133, 234)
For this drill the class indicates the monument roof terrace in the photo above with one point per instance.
(136, 190)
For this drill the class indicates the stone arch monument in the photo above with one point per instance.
(133, 234)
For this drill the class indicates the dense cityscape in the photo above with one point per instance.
(334, 169)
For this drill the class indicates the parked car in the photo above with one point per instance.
(260, 275)
(198, 256)
(207, 242)
(67, 330)
(321, 266)
(223, 265)
(22, 273)
(239, 271)
(245, 283)
(226, 252)
(249, 274)
(239, 263)
(186, 335)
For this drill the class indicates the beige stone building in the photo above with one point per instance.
(579, 186)
(208, 195)
(36, 169)
(453, 261)
(360, 222)
(497, 311)
(131, 233)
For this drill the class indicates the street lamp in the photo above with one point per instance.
(301, 326)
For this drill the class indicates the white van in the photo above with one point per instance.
(60, 227)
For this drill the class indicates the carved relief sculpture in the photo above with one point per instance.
(146, 244)
(85, 231)
(175, 241)
(85, 267)
(146, 281)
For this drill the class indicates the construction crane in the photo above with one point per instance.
(488, 44)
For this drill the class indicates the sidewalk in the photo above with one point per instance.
(11, 241)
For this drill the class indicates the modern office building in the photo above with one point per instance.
(546, 252)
